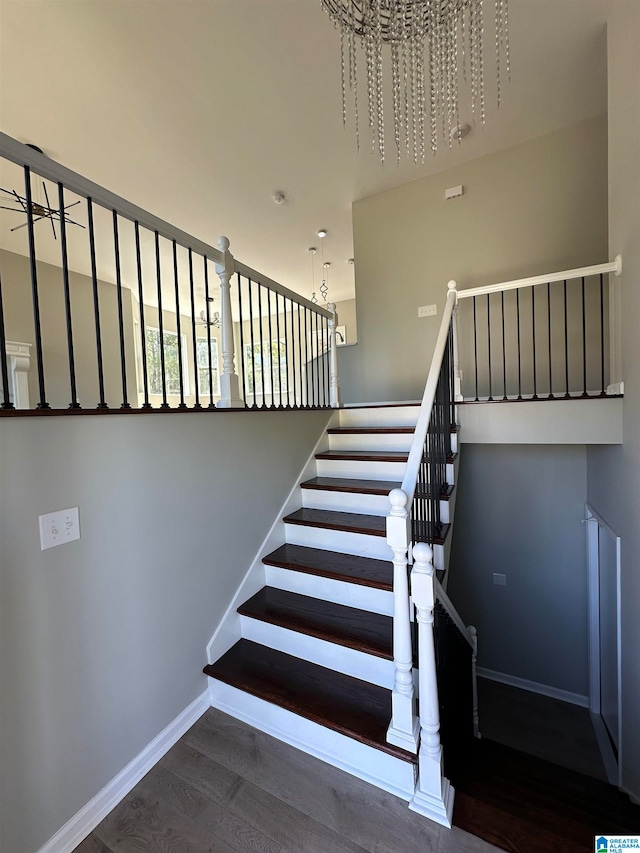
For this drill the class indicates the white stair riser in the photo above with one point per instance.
(335, 657)
(374, 766)
(328, 589)
(379, 416)
(346, 502)
(364, 441)
(360, 544)
(361, 470)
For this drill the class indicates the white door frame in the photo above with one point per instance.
(593, 523)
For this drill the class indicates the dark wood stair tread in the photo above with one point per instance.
(517, 801)
(354, 708)
(346, 626)
(366, 455)
(331, 564)
(350, 522)
(345, 484)
(380, 430)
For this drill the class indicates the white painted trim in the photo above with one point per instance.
(228, 631)
(606, 751)
(614, 267)
(534, 687)
(372, 765)
(328, 589)
(344, 541)
(90, 815)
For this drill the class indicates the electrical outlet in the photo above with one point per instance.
(499, 580)
(427, 311)
(59, 527)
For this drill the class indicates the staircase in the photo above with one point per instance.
(314, 665)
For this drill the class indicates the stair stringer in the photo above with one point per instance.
(229, 630)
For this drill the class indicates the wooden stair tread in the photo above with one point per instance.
(334, 565)
(350, 522)
(366, 455)
(354, 708)
(379, 430)
(345, 484)
(336, 623)
(514, 801)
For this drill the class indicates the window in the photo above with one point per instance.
(171, 364)
(260, 366)
(203, 367)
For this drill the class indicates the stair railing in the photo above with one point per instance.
(545, 337)
(413, 527)
(126, 316)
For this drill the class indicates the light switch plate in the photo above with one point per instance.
(59, 527)
(427, 311)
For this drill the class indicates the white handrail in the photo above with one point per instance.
(614, 266)
(419, 437)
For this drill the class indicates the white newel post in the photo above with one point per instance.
(434, 794)
(404, 728)
(616, 384)
(335, 395)
(229, 384)
(473, 634)
(457, 373)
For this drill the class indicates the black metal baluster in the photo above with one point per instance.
(489, 346)
(261, 344)
(34, 291)
(318, 358)
(182, 405)
(518, 335)
(279, 355)
(603, 390)
(475, 343)
(286, 348)
(253, 346)
(208, 302)
(302, 369)
(7, 404)
(194, 336)
(74, 404)
(584, 343)
(533, 335)
(323, 384)
(241, 359)
(504, 353)
(143, 329)
(549, 335)
(273, 387)
(328, 363)
(566, 343)
(306, 357)
(165, 404)
(123, 356)
(293, 355)
(96, 304)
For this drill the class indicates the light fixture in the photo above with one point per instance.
(312, 251)
(214, 317)
(279, 197)
(322, 233)
(431, 42)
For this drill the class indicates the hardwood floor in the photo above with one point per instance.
(227, 787)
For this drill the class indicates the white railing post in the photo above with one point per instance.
(473, 635)
(229, 384)
(404, 728)
(434, 794)
(457, 373)
(335, 395)
(616, 385)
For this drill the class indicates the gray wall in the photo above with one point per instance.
(533, 208)
(518, 512)
(614, 473)
(102, 641)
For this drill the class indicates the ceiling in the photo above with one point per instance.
(199, 110)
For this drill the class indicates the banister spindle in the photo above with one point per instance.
(457, 373)
(404, 727)
(229, 384)
(335, 395)
(473, 634)
(434, 795)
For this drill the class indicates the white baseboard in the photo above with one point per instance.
(606, 751)
(83, 822)
(534, 687)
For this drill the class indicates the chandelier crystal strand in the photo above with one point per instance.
(452, 32)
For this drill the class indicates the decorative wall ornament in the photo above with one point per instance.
(431, 42)
(39, 209)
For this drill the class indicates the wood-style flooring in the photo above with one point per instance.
(228, 787)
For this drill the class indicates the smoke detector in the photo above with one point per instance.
(279, 197)
(460, 131)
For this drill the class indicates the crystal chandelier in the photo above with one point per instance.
(432, 42)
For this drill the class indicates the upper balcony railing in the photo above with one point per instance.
(105, 307)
